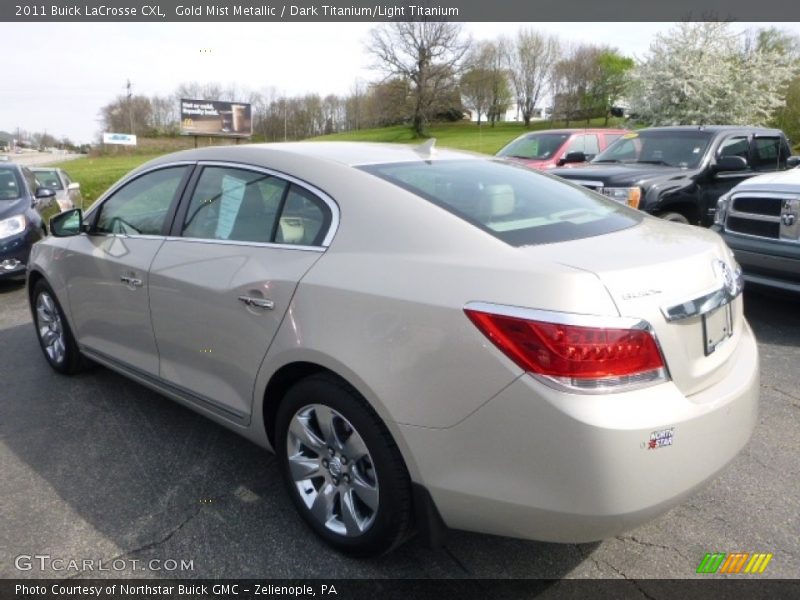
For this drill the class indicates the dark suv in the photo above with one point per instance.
(679, 173)
(24, 205)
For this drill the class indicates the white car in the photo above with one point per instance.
(426, 339)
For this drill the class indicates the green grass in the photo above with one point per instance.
(460, 135)
(97, 174)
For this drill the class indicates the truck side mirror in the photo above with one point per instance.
(572, 157)
(792, 162)
(731, 163)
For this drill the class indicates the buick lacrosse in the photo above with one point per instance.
(426, 339)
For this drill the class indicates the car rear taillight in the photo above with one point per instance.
(578, 357)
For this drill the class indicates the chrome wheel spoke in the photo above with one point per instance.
(303, 468)
(354, 448)
(325, 423)
(353, 524)
(43, 314)
(324, 503)
(49, 337)
(366, 492)
(301, 431)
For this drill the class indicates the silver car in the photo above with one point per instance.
(426, 339)
(68, 192)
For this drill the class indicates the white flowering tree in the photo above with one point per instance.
(704, 73)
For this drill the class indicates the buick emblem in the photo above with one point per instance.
(725, 275)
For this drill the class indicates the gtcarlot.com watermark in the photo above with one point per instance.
(45, 562)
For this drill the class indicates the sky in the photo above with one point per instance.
(57, 76)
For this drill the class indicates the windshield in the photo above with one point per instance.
(511, 202)
(10, 185)
(675, 148)
(48, 179)
(536, 146)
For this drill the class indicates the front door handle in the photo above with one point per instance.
(257, 302)
(131, 282)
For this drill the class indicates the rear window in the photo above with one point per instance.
(515, 204)
(10, 185)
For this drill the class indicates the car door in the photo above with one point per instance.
(221, 284)
(717, 183)
(108, 268)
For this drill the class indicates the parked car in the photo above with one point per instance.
(426, 339)
(760, 221)
(22, 203)
(68, 192)
(553, 148)
(679, 173)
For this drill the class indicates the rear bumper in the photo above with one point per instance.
(539, 464)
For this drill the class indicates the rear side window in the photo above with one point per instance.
(241, 205)
(767, 154)
(515, 204)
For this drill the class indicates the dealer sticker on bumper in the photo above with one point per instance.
(660, 439)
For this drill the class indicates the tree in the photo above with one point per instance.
(484, 85)
(530, 63)
(127, 114)
(787, 116)
(614, 77)
(703, 73)
(425, 53)
(576, 84)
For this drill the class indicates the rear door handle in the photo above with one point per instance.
(257, 302)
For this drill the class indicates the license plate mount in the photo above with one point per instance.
(717, 327)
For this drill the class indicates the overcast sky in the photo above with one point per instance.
(56, 76)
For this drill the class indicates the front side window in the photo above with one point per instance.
(513, 203)
(141, 206)
(586, 143)
(10, 185)
(734, 146)
(48, 179)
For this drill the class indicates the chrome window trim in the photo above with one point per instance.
(330, 202)
(585, 386)
(175, 238)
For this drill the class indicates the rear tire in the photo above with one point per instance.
(54, 334)
(342, 469)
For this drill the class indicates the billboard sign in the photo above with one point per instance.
(125, 139)
(213, 117)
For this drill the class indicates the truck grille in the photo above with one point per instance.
(765, 215)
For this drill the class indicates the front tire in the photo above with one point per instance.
(342, 469)
(55, 337)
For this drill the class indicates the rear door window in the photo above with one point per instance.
(767, 154)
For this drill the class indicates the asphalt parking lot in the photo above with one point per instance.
(97, 467)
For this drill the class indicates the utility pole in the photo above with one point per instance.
(129, 87)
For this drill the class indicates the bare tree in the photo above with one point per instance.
(531, 62)
(426, 53)
(484, 84)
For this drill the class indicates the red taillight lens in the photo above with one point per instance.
(570, 351)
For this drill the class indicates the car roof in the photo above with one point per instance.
(579, 130)
(714, 128)
(344, 153)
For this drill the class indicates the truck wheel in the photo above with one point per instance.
(674, 217)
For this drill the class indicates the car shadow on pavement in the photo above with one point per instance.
(98, 467)
(773, 315)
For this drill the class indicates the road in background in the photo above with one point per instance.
(30, 159)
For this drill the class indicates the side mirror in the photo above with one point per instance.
(792, 162)
(74, 186)
(572, 157)
(43, 197)
(67, 223)
(731, 163)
